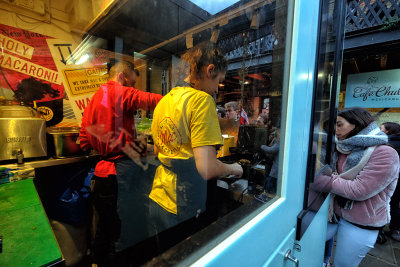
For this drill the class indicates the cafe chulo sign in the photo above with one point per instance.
(380, 89)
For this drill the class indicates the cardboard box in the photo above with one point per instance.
(229, 141)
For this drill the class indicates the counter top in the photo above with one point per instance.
(151, 158)
(49, 162)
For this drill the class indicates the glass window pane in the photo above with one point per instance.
(249, 105)
(327, 79)
(81, 56)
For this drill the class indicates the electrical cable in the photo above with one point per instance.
(50, 22)
(31, 22)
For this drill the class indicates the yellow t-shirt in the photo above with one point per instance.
(184, 119)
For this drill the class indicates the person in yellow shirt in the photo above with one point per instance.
(186, 132)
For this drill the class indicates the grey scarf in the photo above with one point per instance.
(356, 146)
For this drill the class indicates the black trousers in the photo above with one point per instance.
(395, 209)
(106, 222)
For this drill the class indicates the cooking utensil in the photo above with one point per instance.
(66, 141)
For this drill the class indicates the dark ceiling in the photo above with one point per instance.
(142, 24)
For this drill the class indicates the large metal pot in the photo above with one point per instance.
(66, 141)
(17, 111)
(22, 133)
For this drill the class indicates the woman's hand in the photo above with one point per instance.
(236, 170)
(210, 167)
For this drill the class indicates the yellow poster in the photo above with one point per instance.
(84, 81)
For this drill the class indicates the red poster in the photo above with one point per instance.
(29, 74)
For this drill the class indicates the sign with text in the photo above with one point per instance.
(84, 81)
(19, 48)
(26, 67)
(380, 89)
(29, 72)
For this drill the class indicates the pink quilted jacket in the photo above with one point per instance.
(371, 190)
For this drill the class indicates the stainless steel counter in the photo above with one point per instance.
(49, 162)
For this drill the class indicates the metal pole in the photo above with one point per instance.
(243, 70)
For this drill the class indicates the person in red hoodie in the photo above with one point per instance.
(108, 127)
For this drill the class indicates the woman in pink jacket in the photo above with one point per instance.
(364, 176)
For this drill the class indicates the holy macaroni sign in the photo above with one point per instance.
(29, 73)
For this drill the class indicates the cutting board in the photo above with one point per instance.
(27, 236)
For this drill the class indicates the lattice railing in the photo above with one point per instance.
(363, 14)
(258, 42)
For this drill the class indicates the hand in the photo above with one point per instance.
(134, 152)
(140, 145)
(236, 170)
(323, 170)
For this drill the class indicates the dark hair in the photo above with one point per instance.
(221, 111)
(121, 66)
(265, 118)
(360, 117)
(392, 128)
(203, 54)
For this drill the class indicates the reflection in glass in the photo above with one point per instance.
(252, 36)
(326, 80)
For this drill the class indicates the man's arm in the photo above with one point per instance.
(137, 99)
(210, 167)
(270, 150)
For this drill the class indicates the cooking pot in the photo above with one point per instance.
(17, 111)
(22, 133)
(66, 142)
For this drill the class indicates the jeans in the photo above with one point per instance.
(352, 243)
(270, 185)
